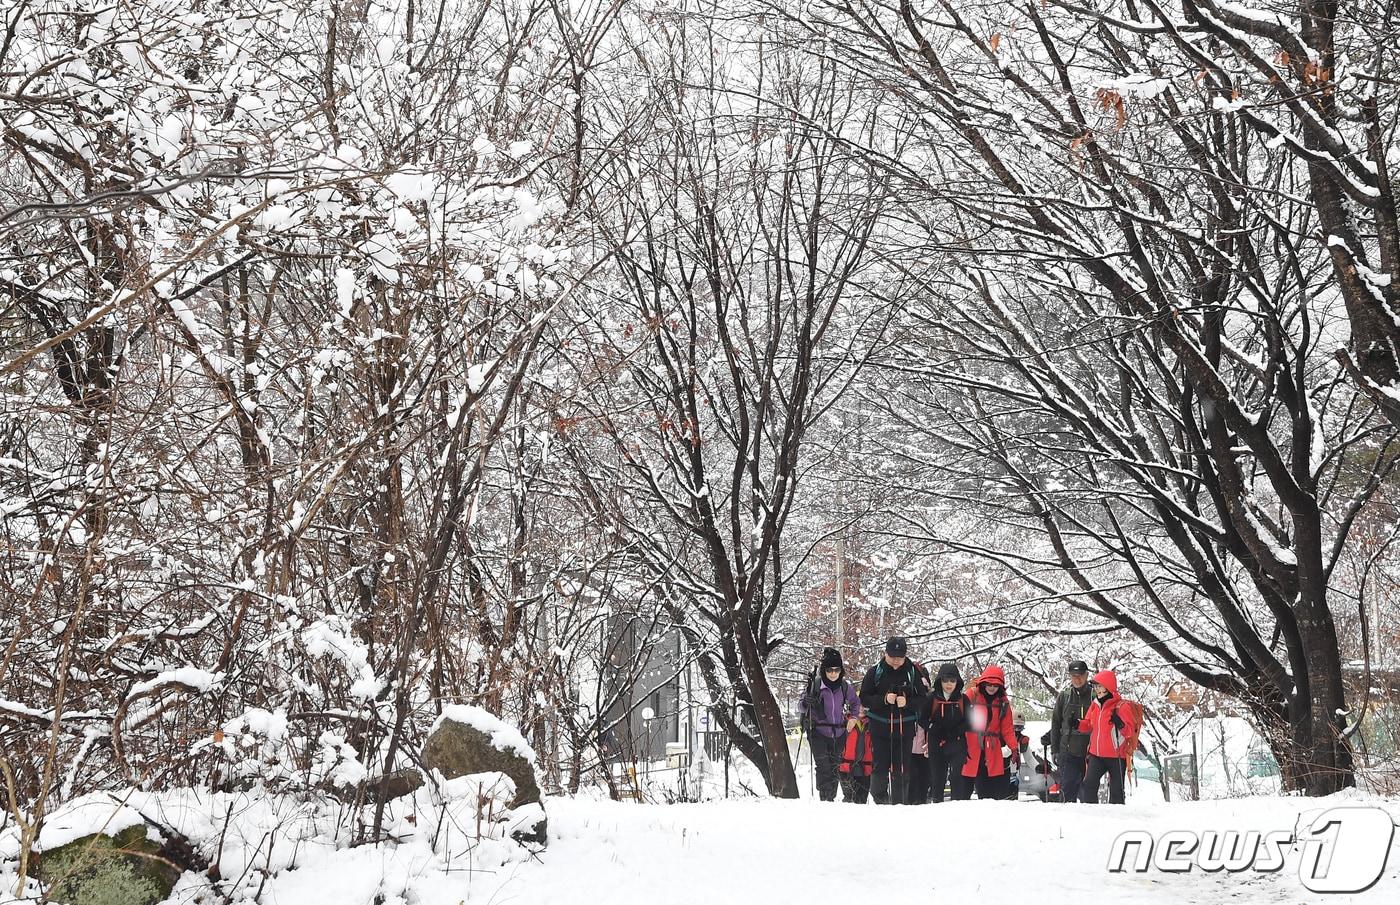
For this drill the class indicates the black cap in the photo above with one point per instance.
(897, 646)
(831, 658)
(1079, 666)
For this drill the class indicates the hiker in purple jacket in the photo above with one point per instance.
(829, 708)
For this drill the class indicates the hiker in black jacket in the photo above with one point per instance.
(1069, 746)
(917, 790)
(946, 712)
(892, 696)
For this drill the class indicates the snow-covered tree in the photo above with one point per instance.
(1135, 350)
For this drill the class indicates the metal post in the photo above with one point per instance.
(726, 771)
(1195, 771)
(841, 589)
(728, 747)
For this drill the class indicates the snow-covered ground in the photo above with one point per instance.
(766, 851)
(449, 843)
(284, 850)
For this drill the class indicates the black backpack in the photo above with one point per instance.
(911, 676)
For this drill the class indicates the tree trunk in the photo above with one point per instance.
(781, 777)
(1329, 764)
(1325, 757)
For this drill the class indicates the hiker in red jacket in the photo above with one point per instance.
(1110, 733)
(857, 763)
(991, 736)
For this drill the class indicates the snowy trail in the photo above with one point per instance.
(804, 851)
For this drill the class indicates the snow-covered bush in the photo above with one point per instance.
(261, 846)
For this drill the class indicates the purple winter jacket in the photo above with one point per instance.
(837, 705)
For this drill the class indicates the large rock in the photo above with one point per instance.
(123, 869)
(467, 740)
(396, 785)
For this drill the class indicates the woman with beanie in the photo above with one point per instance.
(829, 710)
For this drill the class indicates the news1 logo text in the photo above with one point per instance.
(1343, 850)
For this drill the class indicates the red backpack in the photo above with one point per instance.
(857, 759)
(1132, 714)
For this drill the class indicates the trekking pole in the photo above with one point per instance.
(903, 779)
(812, 773)
(896, 757)
(801, 731)
(812, 688)
(889, 779)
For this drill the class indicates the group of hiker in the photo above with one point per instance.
(902, 738)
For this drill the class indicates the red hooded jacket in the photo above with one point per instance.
(1106, 739)
(998, 728)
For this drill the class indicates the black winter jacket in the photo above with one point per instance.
(1071, 706)
(946, 716)
(882, 679)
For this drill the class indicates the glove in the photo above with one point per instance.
(1117, 721)
(1005, 751)
(1047, 740)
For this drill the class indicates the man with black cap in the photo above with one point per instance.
(1070, 746)
(892, 693)
(829, 710)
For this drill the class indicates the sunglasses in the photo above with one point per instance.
(833, 669)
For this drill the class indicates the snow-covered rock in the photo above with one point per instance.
(97, 850)
(466, 741)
